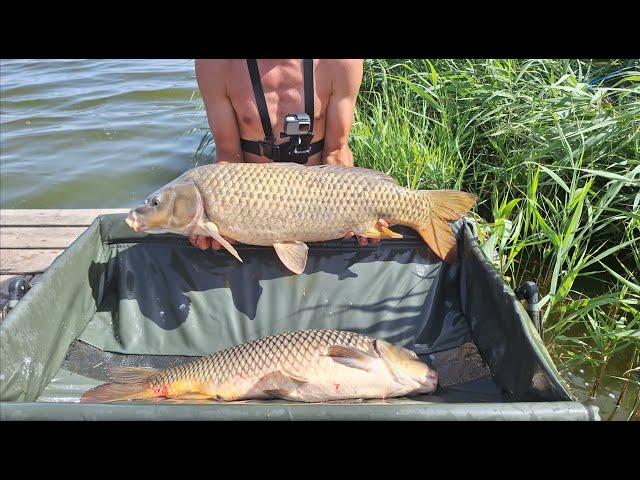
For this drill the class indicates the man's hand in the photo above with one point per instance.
(362, 241)
(203, 242)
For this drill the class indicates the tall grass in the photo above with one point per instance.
(552, 149)
(554, 157)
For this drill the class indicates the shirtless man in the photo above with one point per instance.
(233, 113)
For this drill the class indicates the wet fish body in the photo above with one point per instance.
(302, 365)
(286, 205)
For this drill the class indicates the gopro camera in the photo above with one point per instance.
(296, 124)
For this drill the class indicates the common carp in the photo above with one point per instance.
(302, 365)
(286, 205)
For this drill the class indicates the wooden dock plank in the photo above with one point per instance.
(28, 261)
(52, 217)
(38, 237)
(31, 239)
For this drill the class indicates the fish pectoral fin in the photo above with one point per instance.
(293, 255)
(281, 384)
(212, 230)
(378, 231)
(280, 393)
(296, 377)
(351, 357)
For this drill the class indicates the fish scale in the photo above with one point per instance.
(290, 350)
(303, 365)
(269, 202)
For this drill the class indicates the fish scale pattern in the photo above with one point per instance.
(266, 203)
(285, 351)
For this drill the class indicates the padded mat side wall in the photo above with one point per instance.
(35, 336)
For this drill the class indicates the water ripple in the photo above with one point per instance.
(94, 133)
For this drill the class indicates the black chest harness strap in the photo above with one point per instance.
(284, 152)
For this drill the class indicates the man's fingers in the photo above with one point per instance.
(348, 235)
(203, 242)
(362, 241)
(383, 223)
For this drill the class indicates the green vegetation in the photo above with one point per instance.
(553, 153)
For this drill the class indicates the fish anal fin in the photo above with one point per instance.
(378, 231)
(293, 255)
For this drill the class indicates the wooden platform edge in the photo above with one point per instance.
(75, 217)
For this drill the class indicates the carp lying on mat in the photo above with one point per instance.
(302, 365)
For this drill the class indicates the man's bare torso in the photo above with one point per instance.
(233, 113)
(282, 82)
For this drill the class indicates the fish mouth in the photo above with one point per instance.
(133, 222)
(430, 382)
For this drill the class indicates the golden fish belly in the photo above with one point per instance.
(324, 380)
(269, 203)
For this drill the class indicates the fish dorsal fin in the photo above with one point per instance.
(367, 172)
(351, 357)
(130, 374)
(293, 255)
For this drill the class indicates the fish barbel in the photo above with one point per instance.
(286, 205)
(302, 365)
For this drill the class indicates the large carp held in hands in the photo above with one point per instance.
(302, 365)
(285, 205)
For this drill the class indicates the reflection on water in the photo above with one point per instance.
(94, 133)
(581, 379)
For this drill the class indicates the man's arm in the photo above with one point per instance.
(347, 77)
(341, 107)
(211, 76)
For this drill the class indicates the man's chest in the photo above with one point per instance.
(283, 88)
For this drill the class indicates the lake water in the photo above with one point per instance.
(94, 133)
(106, 133)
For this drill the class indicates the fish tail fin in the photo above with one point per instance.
(114, 392)
(446, 206)
(130, 383)
(130, 374)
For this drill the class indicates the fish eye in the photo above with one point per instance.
(155, 201)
